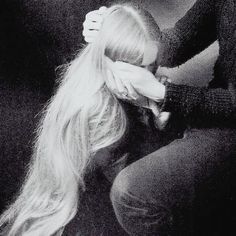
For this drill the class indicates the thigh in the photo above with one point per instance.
(161, 187)
(190, 160)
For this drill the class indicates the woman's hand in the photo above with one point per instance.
(133, 80)
(92, 24)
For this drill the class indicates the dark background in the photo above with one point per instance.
(35, 37)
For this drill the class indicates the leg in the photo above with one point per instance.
(156, 193)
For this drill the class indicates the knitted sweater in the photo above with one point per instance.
(205, 22)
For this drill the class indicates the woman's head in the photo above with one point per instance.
(129, 34)
(80, 119)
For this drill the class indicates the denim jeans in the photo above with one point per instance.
(158, 194)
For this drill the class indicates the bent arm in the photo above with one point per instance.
(202, 104)
(191, 34)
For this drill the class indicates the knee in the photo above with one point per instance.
(138, 215)
(125, 187)
(119, 193)
(121, 184)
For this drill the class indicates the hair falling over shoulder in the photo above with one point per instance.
(81, 118)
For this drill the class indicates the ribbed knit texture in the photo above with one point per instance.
(205, 22)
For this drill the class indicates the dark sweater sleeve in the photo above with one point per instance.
(188, 101)
(191, 34)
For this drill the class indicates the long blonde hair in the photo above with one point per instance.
(80, 119)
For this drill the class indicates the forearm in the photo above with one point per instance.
(188, 101)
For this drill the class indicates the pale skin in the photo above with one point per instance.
(125, 80)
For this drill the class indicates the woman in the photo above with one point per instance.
(158, 194)
(82, 119)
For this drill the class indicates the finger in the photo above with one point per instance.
(163, 79)
(90, 25)
(154, 107)
(102, 10)
(117, 85)
(110, 82)
(124, 75)
(132, 93)
(90, 15)
(163, 118)
(120, 88)
(89, 39)
(126, 66)
(122, 79)
(94, 16)
(90, 33)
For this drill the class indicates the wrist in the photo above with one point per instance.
(162, 92)
(158, 92)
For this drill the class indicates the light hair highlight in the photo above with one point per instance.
(81, 118)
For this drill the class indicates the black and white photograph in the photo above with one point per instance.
(117, 118)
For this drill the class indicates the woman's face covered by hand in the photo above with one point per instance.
(150, 54)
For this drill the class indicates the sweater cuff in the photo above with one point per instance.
(182, 98)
